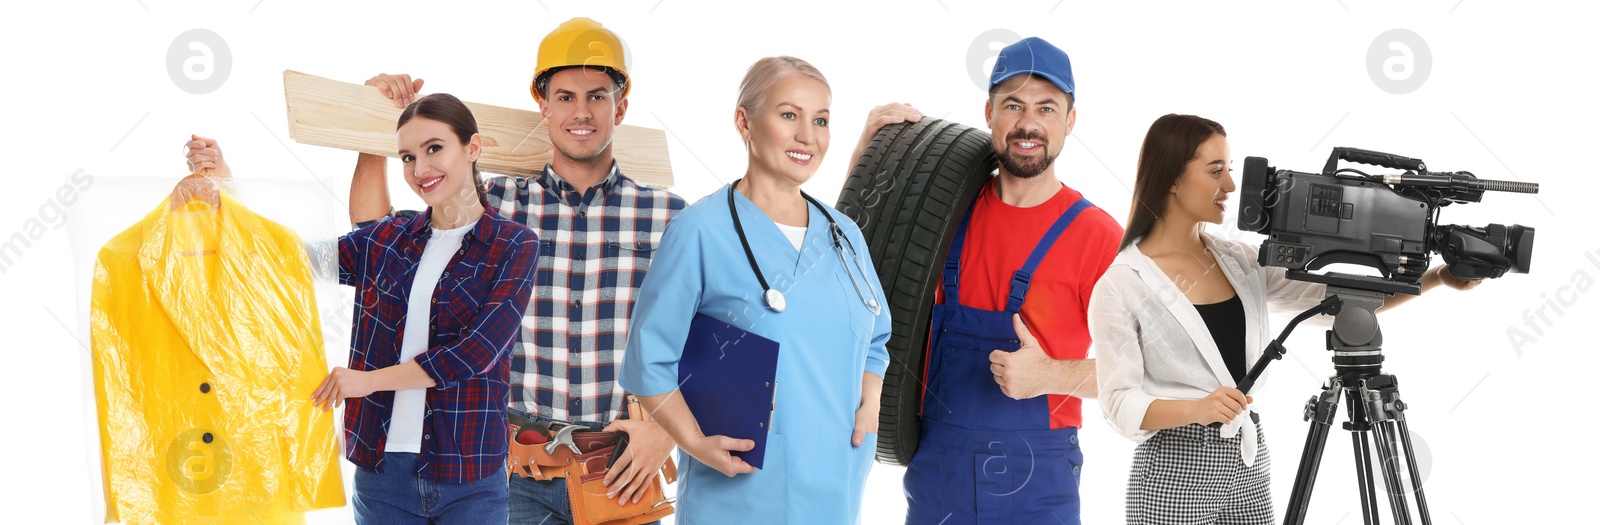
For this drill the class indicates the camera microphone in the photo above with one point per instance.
(1461, 180)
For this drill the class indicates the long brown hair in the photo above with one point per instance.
(1168, 147)
(448, 109)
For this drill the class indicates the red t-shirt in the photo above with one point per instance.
(999, 240)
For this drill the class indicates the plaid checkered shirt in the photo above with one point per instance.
(594, 248)
(472, 329)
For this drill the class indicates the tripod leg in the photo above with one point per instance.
(1319, 411)
(1383, 428)
(1416, 476)
(1358, 427)
(1383, 394)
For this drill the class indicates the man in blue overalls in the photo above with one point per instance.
(1007, 360)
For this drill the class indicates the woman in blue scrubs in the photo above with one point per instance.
(807, 283)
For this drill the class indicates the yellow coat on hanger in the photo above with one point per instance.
(207, 348)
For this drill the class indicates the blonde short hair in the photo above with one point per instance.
(768, 71)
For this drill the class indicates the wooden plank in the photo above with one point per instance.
(326, 112)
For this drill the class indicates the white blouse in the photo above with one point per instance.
(1151, 342)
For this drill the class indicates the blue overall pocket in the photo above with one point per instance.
(1029, 478)
(965, 392)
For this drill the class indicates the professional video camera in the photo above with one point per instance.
(1390, 223)
(1387, 222)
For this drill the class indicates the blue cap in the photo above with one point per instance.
(1036, 56)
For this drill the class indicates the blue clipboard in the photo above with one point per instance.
(728, 377)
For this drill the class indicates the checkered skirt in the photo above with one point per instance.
(1192, 475)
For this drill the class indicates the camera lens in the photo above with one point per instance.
(1519, 247)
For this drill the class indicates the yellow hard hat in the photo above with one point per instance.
(581, 42)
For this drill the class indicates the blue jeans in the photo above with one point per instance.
(398, 496)
(535, 502)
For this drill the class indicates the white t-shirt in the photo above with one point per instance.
(796, 234)
(405, 427)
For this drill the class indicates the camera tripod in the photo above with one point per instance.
(1376, 414)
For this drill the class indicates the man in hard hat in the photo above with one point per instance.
(1001, 409)
(597, 229)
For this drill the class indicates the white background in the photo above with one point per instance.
(1508, 96)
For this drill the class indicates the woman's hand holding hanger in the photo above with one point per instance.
(207, 171)
(205, 158)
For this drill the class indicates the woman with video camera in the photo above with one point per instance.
(1178, 319)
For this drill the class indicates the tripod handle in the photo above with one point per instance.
(1275, 349)
(1255, 372)
(1249, 380)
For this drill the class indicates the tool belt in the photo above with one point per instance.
(581, 456)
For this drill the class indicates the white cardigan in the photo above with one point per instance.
(1151, 343)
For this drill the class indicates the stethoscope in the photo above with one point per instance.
(841, 245)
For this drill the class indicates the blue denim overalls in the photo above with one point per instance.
(984, 457)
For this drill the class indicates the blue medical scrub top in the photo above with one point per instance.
(827, 339)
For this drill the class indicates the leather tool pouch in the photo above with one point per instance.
(587, 491)
(585, 474)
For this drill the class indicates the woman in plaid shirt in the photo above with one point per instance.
(440, 299)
